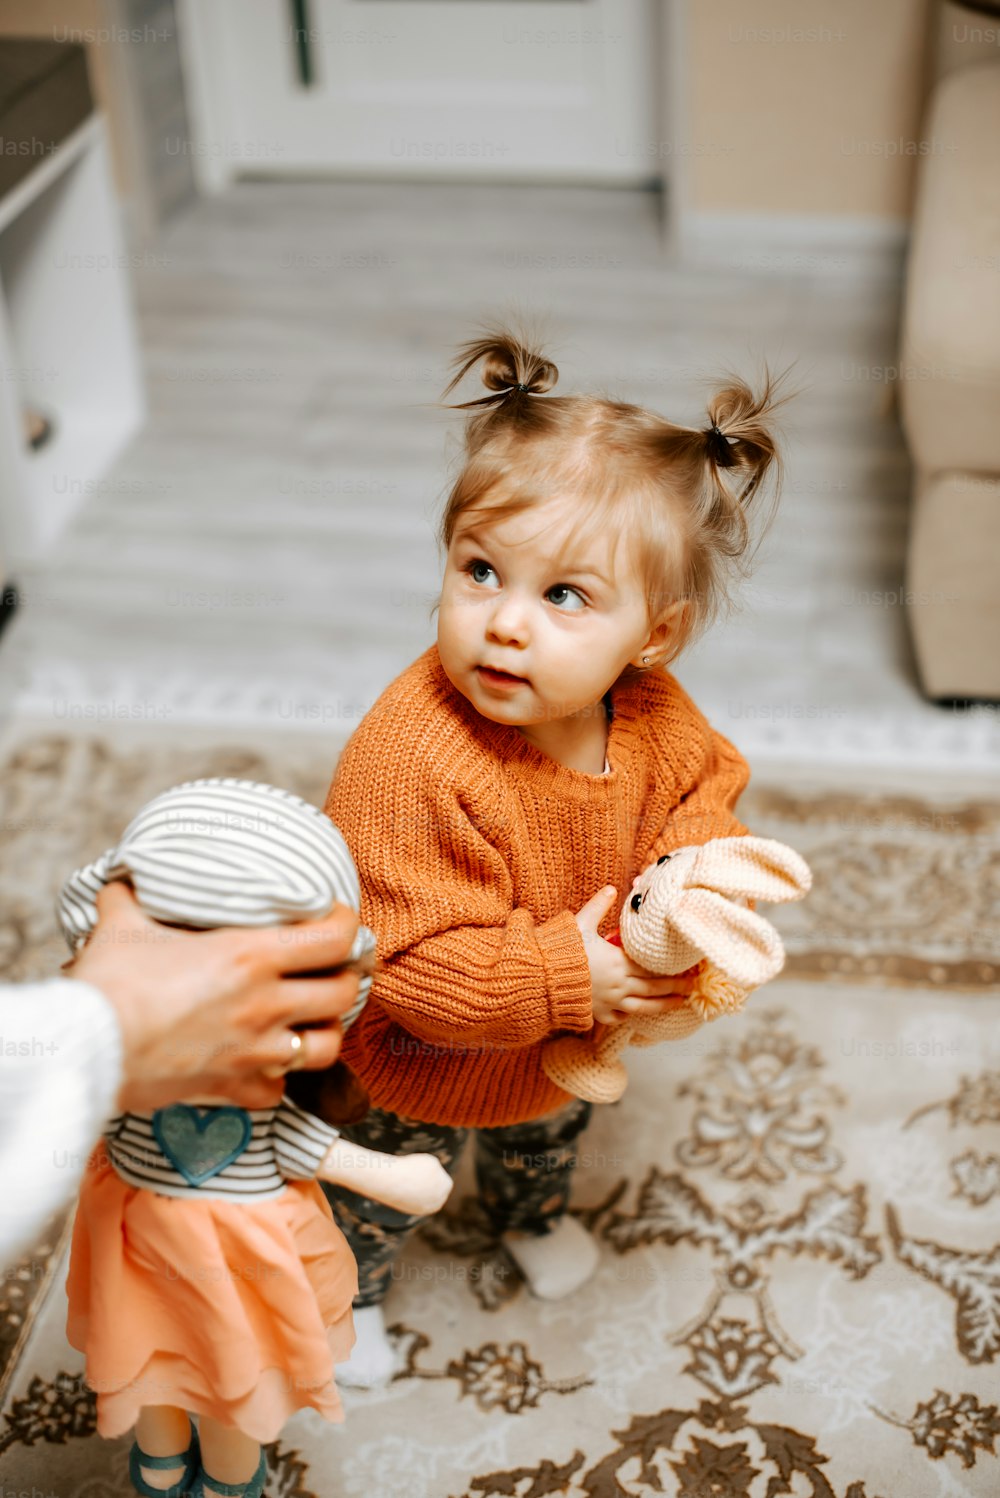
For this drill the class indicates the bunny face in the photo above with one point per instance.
(691, 905)
(647, 932)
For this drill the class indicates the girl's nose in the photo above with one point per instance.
(508, 622)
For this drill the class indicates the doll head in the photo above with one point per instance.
(233, 853)
(688, 906)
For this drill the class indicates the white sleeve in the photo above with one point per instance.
(301, 1141)
(60, 1072)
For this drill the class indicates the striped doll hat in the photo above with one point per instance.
(224, 853)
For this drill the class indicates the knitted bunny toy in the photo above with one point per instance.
(687, 910)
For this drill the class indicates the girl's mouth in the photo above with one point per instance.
(498, 679)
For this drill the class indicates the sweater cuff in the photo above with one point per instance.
(567, 973)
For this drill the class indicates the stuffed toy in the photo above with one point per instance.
(687, 914)
(207, 1274)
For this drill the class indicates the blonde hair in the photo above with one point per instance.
(679, 495)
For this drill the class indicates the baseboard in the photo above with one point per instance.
(811, 244)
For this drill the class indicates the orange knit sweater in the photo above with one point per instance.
(475, 849)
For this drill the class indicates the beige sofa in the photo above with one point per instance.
(950, 390)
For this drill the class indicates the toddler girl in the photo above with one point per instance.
(503, 793)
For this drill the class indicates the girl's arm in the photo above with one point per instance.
(459, 965)
(705, 808)
(501, 986)
(307, 1148)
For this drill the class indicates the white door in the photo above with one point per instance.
(519, 90)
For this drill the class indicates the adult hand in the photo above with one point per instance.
(620, 988)
(205, 1012)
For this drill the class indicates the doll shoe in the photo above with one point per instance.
(252, 1488)
(188, 1459)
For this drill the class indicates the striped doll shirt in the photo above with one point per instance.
(286, 1144)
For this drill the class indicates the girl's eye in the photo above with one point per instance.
(566, 598)
(480, 572)
(664, 859)
(635, 901)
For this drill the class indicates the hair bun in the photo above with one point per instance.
(511, 367)
(740, 436)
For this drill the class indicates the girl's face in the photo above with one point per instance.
(535, 624)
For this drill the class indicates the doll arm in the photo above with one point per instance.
(414, 1184)
(308, 1148)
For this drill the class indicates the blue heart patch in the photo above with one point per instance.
(200, 1143)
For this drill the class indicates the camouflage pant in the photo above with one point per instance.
(523, 1173)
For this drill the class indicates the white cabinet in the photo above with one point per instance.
(67, 341)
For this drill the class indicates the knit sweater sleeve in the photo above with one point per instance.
(458, 961)
(703, 784)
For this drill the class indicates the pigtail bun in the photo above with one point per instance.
(511, 369)
(739, 437)
(712, 481)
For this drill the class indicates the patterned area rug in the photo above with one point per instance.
(797, 1207)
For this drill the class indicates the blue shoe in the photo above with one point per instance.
(189, 1459)
(252, 1488)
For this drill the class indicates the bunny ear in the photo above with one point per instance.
(741, 943)
(756, 868)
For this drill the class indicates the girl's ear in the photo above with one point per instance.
(660, 645)
(742, 944)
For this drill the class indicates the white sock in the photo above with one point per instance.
(373, 1357)
(557, 1263)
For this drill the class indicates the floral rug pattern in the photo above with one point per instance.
(798, 1208)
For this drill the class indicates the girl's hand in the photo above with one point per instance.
(620, 989)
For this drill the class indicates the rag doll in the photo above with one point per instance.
(686, 912)
(207, 1275)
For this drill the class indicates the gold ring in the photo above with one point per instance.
(297, 1060)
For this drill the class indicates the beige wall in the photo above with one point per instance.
(773, 122)
(784, 121)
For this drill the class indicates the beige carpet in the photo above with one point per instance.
(798, 1208)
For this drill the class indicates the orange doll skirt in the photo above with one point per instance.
(234, 1310)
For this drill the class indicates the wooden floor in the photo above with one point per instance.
(263, 554)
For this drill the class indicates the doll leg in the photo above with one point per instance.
(226, 1454)
(524, 1173)
(162, 1430)
(376, 1234)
